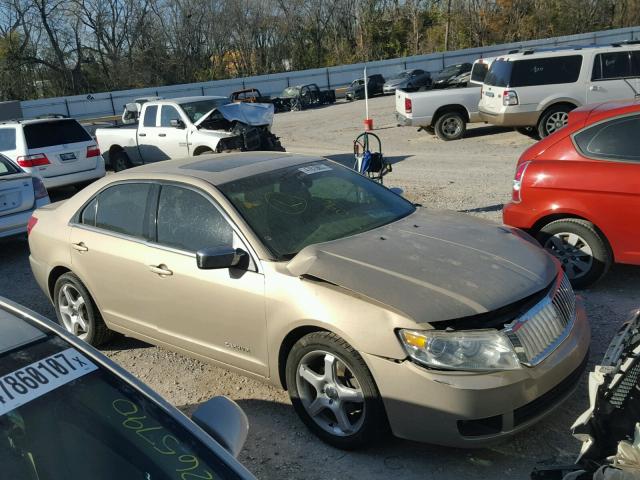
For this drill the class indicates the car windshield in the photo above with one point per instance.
(195, 110)
(499, 74)
(447, 72)
(62, 416)
(355, 83)
(291, 92)
(7, 167)
(312, 203)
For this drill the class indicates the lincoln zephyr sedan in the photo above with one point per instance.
(375, 314)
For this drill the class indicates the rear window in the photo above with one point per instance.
(55, 132)
(536, 71)
(7, 167)
(616, 139)
(7, 139)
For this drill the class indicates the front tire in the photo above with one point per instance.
(581, 249)
(120, 161)
(553, 120)
(450, 126)
(77, 312)
(333, 391)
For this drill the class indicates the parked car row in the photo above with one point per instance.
(532, 91)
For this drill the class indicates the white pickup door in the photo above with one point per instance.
(157, 139)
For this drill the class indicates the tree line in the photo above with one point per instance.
(66, 47)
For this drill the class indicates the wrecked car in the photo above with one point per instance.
(302, 97)
(187, 126)
(249, 95)
(610, 428)
(374, 313)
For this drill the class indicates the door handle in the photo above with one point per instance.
(161, 270)
(142, 134)
(81, 247)
(594, 88)
(162, 134)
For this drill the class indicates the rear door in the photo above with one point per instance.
(148, 135)
(64, 142)
(16, 189)
(613, 77)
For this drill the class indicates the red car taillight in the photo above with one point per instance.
(31, 223)
(39, 188)
(93, 151)
(407, 105)
(34, 160)
(516, 195)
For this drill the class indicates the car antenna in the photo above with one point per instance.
(635, 92)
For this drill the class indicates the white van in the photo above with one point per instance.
(59, 150)
(535, 91)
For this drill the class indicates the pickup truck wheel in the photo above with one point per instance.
(120, 161)
(581, 249)
(450, 126)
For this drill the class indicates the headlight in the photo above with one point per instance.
(464, 350)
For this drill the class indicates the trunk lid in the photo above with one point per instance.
(433, 266)
(16, 193)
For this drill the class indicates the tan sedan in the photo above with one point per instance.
(373, 313)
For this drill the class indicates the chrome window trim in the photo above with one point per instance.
(74, 222)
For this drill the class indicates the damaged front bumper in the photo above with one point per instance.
(465, 409)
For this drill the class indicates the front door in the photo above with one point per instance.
(170, 140)
(220, 313)
(613, 77)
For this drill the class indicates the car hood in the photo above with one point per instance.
(256, 114)
(433, 265)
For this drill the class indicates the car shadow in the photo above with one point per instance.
(486, 130)
(348, 159)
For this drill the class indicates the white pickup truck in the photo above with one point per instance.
(188, 126)
(444, 112)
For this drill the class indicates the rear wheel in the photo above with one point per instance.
(77, 312)
(450, 126)
(120, 161)
(553, 120)
(333, 391)
(581, 249)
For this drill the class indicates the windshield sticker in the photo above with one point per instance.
(39, 378)
(310, 170)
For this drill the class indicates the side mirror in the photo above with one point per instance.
(220, 257)
(175, 123)
(224, 421)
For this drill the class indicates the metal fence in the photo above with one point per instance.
(111, 103)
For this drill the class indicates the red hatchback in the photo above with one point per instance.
(578, 191)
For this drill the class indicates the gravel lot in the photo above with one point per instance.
(471, 175)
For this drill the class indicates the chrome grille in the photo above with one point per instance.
(538, 332)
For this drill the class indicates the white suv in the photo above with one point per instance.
(535, 91)
(59, 150)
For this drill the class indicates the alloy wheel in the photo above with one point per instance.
(573, 252)
(330, 393)
(452, 127)
(556, 121)
(73, 311)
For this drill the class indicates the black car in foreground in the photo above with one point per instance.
(68, 412)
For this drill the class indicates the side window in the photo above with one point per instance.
(150, 116)
(88, 215)
(635, 63)
(123, 209)
(546, 71)
(168, 113)
(7, 139)
(189, 221)
(616, 139)
(607, 66)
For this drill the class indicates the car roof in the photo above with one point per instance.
(15, 332)
(221, 168)
(612, 108)
(564, 51)
(35, 120)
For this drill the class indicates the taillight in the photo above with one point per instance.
(509, 97)
(34, 160)
(39, 188)
(516, 195)
(31, 223)
(407, 105)
(93, 151)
